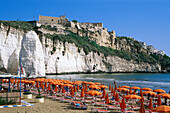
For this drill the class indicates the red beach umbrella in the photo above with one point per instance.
(107, 99)
(75, 90)
(56, 88)
(150, 104)
(104, 94)
(142, 108)
(49, 87)
(78, 87)
(159, 101)
(123, 105)
(37, 85)
(109, 87)
(72, 91)
(117, 97)
(63, 90)
(82, 92)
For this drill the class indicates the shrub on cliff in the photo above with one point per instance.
(90, 45)
(18, 24)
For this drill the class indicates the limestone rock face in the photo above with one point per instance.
(10, 45)
(67, 59)
(32, 55)
(41, 55)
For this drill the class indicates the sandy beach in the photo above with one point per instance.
(49, 106)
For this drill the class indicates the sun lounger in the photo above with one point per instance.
(78, 105)
(99, 110)
(111, 107)
(99, 104)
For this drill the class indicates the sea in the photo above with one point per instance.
(151, 80)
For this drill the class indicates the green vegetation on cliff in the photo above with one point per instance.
(18, 24)
(89, 45)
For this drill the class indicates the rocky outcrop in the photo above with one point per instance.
(41, 55)
(31, 50)
(32, 55)
(67, 58)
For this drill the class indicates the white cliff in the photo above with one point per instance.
(67, 59)
(39, 58)
(32, 55)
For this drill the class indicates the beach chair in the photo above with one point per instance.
(99, 104)
(111, 107)
(78, 105)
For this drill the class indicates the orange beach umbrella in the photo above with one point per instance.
(147, 89)
(159, 90)
(162, 108)
(132, 97)
(93, 93)
(125, 86)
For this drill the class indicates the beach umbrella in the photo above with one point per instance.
(37, 85)
(85, 88)
(78, 87)
(122, 89)
(90, 83)
(104, 94)
(63, 89)
(117, 97)
(103, 86)
(159, 101)
(123, 105)
(132, 97)
(159, 90)
(82, 92)
(150, 104)
(149, 92)
(49, 87)
(75, 90)
(107, 99)
(125, 86)
(142, 108)
(45, 84)
(94, 87)
(162, 108)
(93, 93)
(135, 87)
(147, 89)
(109, 86)
(165, 95)
(85, 82)
(56, 88)
(112, 90)
(72, 91)
(97, 83)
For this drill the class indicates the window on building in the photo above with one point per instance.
(51, 19)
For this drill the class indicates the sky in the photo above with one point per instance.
(145, 20)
